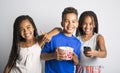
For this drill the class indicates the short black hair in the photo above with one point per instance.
(69, 10)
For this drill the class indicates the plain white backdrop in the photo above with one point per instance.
(47, 15)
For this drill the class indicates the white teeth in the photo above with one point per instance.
(87, 30)
(70, 28)
(27, 34)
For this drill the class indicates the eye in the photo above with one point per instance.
(66, 21)
(21, 29)
(91, 23)
(73, 21)
(28, 27)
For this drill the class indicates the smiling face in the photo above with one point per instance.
(88, 25)
(69, 23)
(26, 30)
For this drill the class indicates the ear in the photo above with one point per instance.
(94, 26)
(77, 25)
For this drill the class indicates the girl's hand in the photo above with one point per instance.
(46, 37)
(50, 34)
(42, 40)
(91, 53)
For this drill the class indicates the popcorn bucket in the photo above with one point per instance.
(68, 51)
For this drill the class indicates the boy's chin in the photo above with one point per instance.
(68, 33)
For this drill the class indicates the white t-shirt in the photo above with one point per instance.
(28, 60)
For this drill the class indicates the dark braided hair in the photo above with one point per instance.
(17, 37)
(79, 30)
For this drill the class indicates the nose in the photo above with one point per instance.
(87, 25)
(25, 30)
(70, 23)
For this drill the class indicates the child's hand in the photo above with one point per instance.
(60, 55)
(91, 53)
(75, 59)
(42, 39)
(46, 37)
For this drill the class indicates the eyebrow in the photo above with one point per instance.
(25, 26)
(72, 20)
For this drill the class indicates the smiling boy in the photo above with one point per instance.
(55, 61)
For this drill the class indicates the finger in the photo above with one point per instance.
(44, 37)
(48, 40)
(57, 49)
(62, 53)
(58, 56)
(91, 56)
(42, 32)
(61, 57)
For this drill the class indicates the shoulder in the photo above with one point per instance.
(77, 38)
(100, 37)
(58, 36)
(77, 41)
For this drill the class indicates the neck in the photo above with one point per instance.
(29, 43)
(86, 37)
(67, 34)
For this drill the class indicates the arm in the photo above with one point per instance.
(7, 69)
(101, 43)
(54, 31)
(101, 53)
(47, 37)
(46, 53)
(9, 65)
(55, 55)
(75, 59)
(11, 62)
(48, 56)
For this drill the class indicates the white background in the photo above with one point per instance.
(47, 15)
